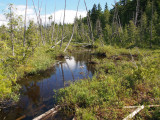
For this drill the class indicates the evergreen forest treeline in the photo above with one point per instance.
(130, 23)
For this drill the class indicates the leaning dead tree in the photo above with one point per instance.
(39, 9)
(73, 27)
(89, 23)
(63, 25)
(39, 20)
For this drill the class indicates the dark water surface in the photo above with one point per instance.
(37, 90)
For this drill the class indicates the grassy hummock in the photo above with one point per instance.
(123, 78)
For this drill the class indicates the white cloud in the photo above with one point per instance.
(71, 62)
(20, 10)
(3, 23)
(2, 17)
(69, 17)
(3, 20)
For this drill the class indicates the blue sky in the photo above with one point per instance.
(71, 4)
(70, 10)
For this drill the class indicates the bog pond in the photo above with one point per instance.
(37, 92)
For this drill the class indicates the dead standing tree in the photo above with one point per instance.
(39, 21)
(116, 23)
(45, 25)
(63, 25)
(89, 23)
(53, 29)
(99, 31)
(137, 12)
(151, 24)
(73, 27)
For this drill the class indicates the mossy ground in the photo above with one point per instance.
(123, 78)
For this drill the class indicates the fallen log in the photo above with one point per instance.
(140, 106)
(46, 114)
(130, 116)
(57, 43)
(22, 117)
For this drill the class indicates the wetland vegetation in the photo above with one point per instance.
(122, 43)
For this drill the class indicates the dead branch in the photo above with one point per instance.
(73, 27)
(89, 24)
(63, 24)
(46, 114)
(140, 106)
(58, 42)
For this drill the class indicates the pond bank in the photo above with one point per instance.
(124, 78)
(37, 90)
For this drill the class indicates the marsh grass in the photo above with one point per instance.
(132, 80)
(14, 68)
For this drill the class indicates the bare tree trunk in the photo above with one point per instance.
(99, 31)
(45, 26)
(12, 44)
(63, 25)
(125, 2)
(119, 22)
(11, 28)
(39, 10)
(53, 25)
(58, 31)
(41, 31)
(114, 23)
(24, 39)
(141, 29)
(38, 21)
(89, 24)
(73, 28)
(151, 25)
(57, 43)
(137, 12)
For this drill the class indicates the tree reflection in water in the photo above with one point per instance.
(37, 90)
